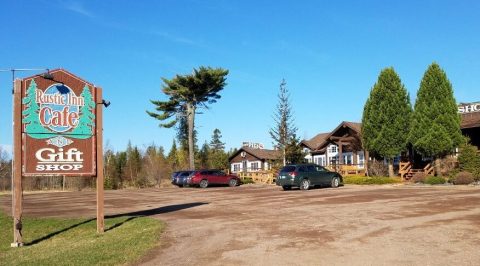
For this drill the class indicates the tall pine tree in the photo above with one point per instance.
(216, 143)
(284, 129)
(435, 129)
(386, 117)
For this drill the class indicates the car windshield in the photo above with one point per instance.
(185, 174)
(288, 169)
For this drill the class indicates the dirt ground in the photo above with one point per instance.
(263, 225)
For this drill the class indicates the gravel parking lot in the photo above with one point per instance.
(263, 225)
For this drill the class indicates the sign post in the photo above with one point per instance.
(17, 191)
(100, 196)
(57, 131)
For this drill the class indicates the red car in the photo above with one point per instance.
(204, 178)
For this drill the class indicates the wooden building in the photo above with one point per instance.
(342, 146)
(253, 160)
(470, 125)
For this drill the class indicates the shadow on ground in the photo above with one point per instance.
(130, 215)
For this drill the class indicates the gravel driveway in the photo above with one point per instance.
(263, 225)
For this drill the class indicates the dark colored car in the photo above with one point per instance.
(179, 178)
(204, 178)
(305, 176)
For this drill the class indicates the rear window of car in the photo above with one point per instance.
(288, 169)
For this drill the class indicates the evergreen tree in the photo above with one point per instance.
(216, 144)
(182, 134)
(86, 123)
(203, 156)
(435, 128)
(386, 117)
(186, 94)
(294, 152)
(172, 157)
(469, 160)
(30, 115)
(283, 129)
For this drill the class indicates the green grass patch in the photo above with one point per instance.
(55, 241)
(374, 180)
(435, 180)
(247, 180)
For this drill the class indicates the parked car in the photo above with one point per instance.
(204, 178)
(179, 178)
(305, 176)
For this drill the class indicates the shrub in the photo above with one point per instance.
(365, 180)
(419, 177)
(469, 160)
(377, 168)
(463, 178)
(435, 180)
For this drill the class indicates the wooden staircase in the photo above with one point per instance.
(407, 172)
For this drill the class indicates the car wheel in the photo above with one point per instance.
(335, 181)
(286, 187)
(305, 184)
(204, 183)
(233, 182)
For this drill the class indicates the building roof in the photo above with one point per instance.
(314, 142)
(318, 142)
(470, 120)
(262, 154)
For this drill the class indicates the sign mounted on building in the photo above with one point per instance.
(252, 145)
(469, 108)
(58, 125)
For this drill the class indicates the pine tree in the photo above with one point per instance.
(86, 123)
(30, 115)
(203, 156)
(284, 129)
(294, 152)
(187, 93)
(216, 144)
(386, 117)
(172, 157)
(435, 128)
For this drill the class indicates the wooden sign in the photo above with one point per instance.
(57, 131)
(58, 125)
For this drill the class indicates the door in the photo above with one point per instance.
(313, 175)
(323, 175)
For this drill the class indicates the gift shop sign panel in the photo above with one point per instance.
(58, 125)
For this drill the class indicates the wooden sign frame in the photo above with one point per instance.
(20, 153)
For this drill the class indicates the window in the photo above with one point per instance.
(254, 166)
(361, 160)
(236, 167)
(333, 149)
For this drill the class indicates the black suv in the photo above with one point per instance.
(305, 176)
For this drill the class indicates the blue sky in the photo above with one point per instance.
(329, 53)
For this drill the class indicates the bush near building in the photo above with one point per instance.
(463, 178)
(367, 180)
(435, 180)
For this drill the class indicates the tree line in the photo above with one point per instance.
(152, 166)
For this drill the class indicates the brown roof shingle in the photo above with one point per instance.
(314, 142)
(263, 153)
(470, 120)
